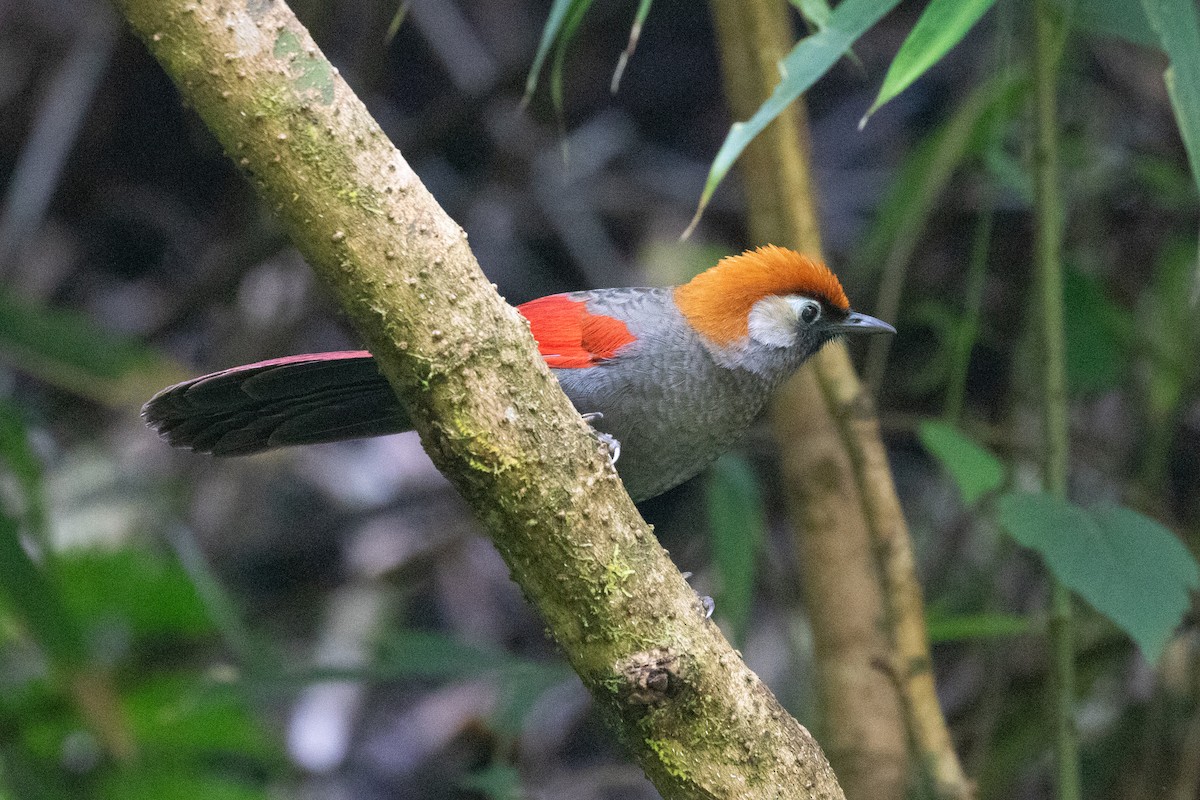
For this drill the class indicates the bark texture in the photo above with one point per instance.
(872, 649)
(487, 409)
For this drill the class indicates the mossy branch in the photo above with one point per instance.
(488, 410)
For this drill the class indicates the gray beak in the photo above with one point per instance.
(862, 323)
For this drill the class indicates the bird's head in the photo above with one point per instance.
(770, 308)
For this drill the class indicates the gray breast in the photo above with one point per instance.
(674, 412)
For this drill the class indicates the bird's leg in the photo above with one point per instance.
(614, 452)
(609, 441)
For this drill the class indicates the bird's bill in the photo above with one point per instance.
(863, 323)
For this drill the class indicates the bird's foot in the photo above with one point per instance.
(614, 447)
(609, 441)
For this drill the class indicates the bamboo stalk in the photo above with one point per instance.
(867, 612)
(1048, 210)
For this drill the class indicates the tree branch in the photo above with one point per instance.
(487, 408)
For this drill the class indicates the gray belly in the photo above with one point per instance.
(670, 426)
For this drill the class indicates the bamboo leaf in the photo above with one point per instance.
(1115, 18)
(101, 586)
(635, 33)
(928, 168)
(815, 12)
(408, 653)
(397, 20)
(496, 782)
(1099, 335)
(942, 25)
(801, 68)
(25, 466)
(565, 37)
(559, 12)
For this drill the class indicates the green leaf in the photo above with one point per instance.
(974, 470)
(25, 466)
(565, 37)
(635, 33)
(1177, 23)
(1127, 566)
(35, 599)
(1169, 336)
(815, 12)
(70, 351)
(941, 322)
(738, 527)
(154, 782)
(105, 585)
(182, 719)
(1010, 173)
(559, 11)
(496, 781)
(963, 627)
(1172, 561)
(942, 25)
(521, 686)
(808, 61)
(397, 20)
(25, 775)
(407, 653)
(672, 261)
(1159, 176)
(1120, 19)
(1098, 335)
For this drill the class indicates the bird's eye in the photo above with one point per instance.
(810, 312)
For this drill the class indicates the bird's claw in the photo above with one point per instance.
(609, 441)
(614, 447)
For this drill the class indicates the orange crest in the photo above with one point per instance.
(717, 302)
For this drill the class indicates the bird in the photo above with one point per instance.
(669, 377)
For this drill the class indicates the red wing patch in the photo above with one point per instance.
(569, 336)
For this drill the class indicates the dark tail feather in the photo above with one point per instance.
(324, 397)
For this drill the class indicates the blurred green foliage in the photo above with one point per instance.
(737, 528)
(1126, 565)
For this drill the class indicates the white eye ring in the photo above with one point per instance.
(810, 312)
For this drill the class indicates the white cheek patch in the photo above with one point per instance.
(773, 320)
